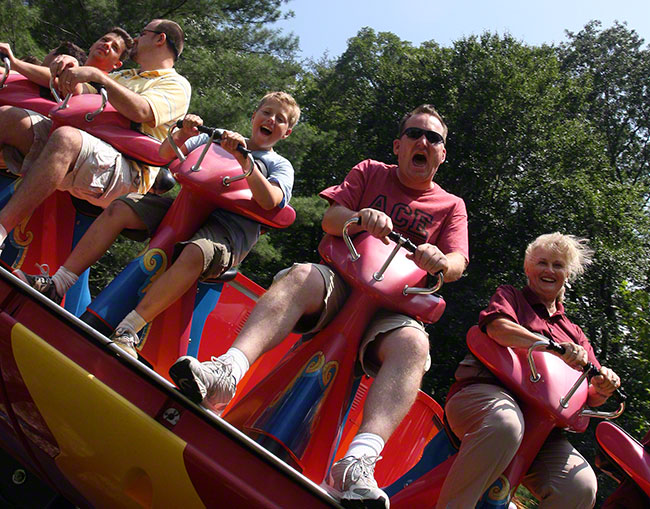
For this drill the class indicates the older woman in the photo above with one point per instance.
(486, 417)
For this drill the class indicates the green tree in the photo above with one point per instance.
(18, 21)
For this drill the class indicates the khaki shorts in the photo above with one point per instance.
(15, 161)
(100, 173)
(336, 293)
(211, 238)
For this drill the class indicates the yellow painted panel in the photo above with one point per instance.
(111, 451)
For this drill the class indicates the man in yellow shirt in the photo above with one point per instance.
(154, 96)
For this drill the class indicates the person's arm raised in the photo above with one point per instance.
(36, 73)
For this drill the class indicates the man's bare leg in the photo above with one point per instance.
(16, 129)
(402, 353)
(57, 158)
(300, 292)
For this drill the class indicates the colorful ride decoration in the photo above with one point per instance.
(105, 431)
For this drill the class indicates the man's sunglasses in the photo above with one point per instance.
(171, 44)
(415, 133)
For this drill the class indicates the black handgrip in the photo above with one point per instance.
(555, 347)
(218, 135)
(618, 394)
(96, 86)
(400, 239)
(3, 55)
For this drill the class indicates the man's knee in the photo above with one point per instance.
(409, 343)
(303, 285)
(65, 139)
(302, 276)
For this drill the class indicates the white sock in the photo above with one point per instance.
(237, 361)
(63, 280)
(365, 444)
(133, 321)
(3, 234)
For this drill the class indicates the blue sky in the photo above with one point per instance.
(327, 25)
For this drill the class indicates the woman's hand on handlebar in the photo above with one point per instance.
(429, 258)
(376, 223)
(606, 382)
(574, 355)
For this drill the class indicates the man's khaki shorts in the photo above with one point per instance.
(100, 173)
(336, 293)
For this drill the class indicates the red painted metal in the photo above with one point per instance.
(627, 452)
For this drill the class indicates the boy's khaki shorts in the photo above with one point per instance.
(336, 293)
(210, 238)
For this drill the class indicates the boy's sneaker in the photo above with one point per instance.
(42, 283)
(126, 340)
(210, 383)
(353, 481)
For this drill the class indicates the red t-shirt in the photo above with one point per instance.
(524, 307)
(434, 216)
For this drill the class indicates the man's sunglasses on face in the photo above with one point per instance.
(415, 133)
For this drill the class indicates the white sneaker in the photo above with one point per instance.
(126, 339)
(353, 482)
(42, 283)
(210, 383)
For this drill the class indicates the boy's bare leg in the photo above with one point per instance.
(172, 284)
(101, 234)
(56, 159)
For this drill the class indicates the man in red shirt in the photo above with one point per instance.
(304, 298)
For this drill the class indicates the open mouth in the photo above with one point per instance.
(419, 160)
(266, 130)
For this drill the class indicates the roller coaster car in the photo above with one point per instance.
(89, 423)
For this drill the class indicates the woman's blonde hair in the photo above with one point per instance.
(575, 251)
